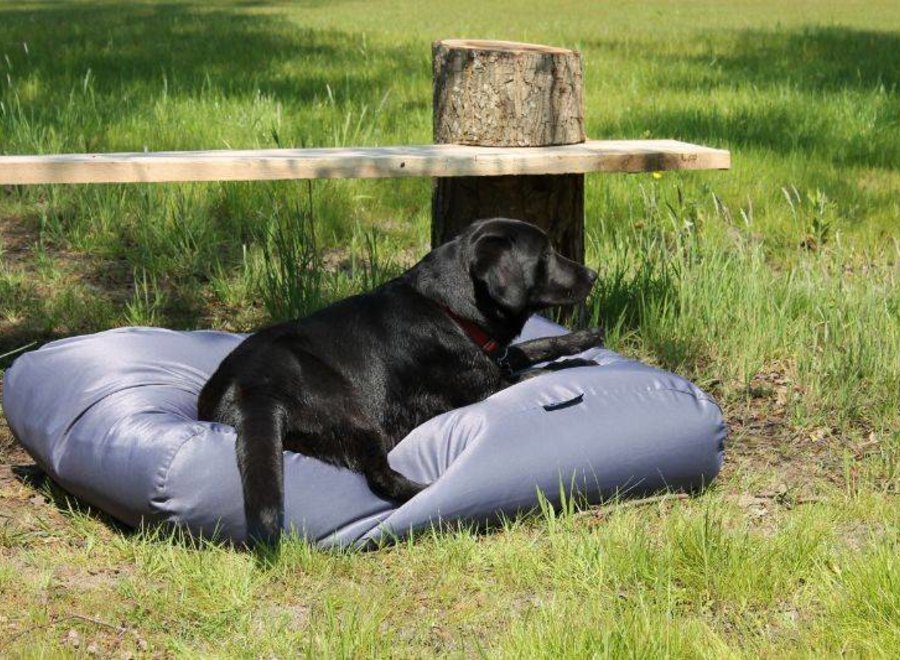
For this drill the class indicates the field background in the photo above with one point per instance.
(774, 286)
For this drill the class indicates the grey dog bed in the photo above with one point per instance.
(111, 417)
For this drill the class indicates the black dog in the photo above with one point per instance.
(350, 381)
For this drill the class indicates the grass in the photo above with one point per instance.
(686, 578)
(774, 286)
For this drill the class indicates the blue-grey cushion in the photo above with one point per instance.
(112, 418)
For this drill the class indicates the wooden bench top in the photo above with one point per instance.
(438, 160)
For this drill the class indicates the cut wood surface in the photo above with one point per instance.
(439, 160)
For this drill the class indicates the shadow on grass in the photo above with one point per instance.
(34, 477)
(72, 506)
(119, 50)
(20, 340)
(814, 58)
(781, 128)
(80, 69)
(828, 92)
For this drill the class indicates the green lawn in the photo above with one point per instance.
(774, 286)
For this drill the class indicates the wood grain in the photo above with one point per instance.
(440, 160)
(506, 94)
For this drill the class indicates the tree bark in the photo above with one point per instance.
(503, 94)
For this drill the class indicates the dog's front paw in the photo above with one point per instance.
(569, 363)
(580, 340)
(588, 338)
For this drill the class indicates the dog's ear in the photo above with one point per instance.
(494, 264)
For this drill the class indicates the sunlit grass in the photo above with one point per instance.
(788, 263)
(695, 578)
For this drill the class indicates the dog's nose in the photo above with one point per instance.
(591, 275)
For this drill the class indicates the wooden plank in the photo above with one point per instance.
(439, 160)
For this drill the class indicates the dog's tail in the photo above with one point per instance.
(260, 438)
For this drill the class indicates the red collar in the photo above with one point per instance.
(476, 334)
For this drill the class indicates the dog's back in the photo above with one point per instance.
(398, 355)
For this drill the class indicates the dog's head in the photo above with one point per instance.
(515, 267)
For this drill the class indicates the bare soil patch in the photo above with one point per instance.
(16, 239)
(763, 440)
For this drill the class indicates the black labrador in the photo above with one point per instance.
(347, 383)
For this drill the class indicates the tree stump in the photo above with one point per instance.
(504, 94)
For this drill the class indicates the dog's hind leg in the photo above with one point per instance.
(386, 482)
(260, 437)
(383, 480)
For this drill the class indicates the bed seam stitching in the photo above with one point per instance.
(164, 482)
